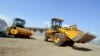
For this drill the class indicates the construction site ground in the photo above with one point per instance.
(37, 47)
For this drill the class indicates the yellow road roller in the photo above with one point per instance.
(18, 30)
(63, 36)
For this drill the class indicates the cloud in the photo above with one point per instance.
(94, 33)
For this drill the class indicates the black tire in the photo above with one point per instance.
(71, 43)
(46, 37)
(62, 39)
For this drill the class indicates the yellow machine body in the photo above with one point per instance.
(63, 36)
(71, 34)
(18, 29)
(20, 32)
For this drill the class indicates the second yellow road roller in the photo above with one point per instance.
(18, 29)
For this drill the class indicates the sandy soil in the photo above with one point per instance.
(37, 47)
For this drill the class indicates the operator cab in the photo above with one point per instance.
(56, 23)
(18, 23)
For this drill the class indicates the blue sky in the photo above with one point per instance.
(84, 13)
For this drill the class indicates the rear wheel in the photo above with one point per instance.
(59, 39)
(70, 43)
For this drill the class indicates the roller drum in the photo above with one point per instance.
(21, 32)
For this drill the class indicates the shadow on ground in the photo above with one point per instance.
(81, 48)
(18, 37)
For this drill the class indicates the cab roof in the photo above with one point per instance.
(57, 19)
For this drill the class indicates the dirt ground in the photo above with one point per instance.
(37, 47)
